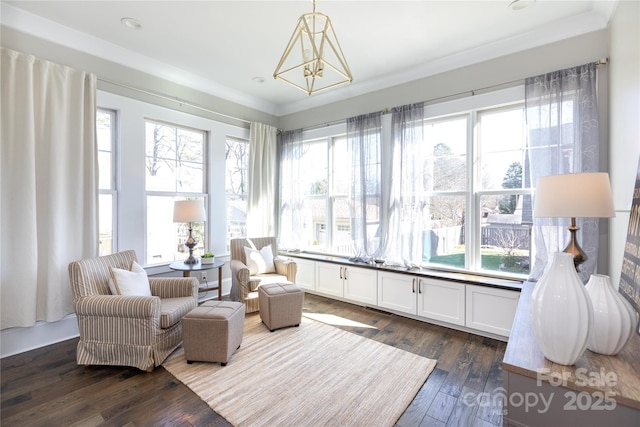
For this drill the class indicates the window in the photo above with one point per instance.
(325, 195)
(480, 208)
(174, 170)
(447, 187)
(475, 206)
(504, 216)
(236, 173)
(106, 135)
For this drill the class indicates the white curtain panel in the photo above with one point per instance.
(408, 200)
(562, 121)
(261, 194)
(363, 136)
(291, 231)
(49, 186)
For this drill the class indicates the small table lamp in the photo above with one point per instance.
(189, 211)
(585, 195)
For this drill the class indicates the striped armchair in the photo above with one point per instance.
(244, 286)
(127, 330)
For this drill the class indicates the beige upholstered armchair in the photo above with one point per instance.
(244, 285)
(138, 331)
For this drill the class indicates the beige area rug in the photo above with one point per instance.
(312, 375)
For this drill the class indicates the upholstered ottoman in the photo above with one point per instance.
(212, 332)
(280, 305)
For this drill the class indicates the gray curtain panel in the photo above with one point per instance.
(562, 121)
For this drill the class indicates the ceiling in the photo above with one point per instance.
(223, 47)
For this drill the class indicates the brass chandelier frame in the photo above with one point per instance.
(316, 40)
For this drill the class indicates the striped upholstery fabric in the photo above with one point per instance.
(244, 286)
(127, 330)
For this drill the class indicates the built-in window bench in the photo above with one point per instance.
(477, 304)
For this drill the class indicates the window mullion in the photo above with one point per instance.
(330, 190)
(472, 225)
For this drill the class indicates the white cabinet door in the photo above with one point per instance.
(306, 273)
(361, 285)
(329, 279)
(490, 309)
(397, 292)
(441, 300)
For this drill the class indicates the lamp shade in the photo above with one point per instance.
(189, 211)
(575, 195)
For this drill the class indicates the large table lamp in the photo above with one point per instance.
(575, 195)
(189, 211)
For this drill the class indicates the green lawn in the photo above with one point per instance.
(490, 261)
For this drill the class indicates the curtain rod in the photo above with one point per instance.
(174, 99)
(602, 61)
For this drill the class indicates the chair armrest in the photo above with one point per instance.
(174, 287)
(286, 267)
(118, 306)
(240, 276)
(239, 271)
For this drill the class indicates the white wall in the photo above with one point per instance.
(131, 192)
(624, 111)
(624, 122)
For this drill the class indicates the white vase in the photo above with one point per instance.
(614, 319)
(561, 312)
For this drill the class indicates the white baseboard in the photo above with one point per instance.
(18, 340)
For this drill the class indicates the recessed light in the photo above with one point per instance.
(258, 79)
(132, 23)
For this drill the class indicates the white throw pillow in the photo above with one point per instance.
(261, 261)
(129, 283)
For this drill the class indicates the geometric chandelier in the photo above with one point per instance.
(313, 60)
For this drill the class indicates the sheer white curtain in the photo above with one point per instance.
(408, 199)
(363, 139)
(49, 185)
(261, 194)
(562, 121)
(291, 232)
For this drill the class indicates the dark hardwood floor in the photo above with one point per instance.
(45, 387)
